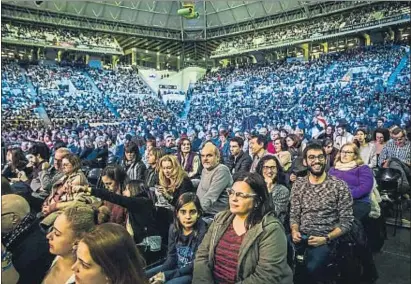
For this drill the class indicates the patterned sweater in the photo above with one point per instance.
(320, 208)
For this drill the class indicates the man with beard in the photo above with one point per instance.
(398, 147)
(321, 211)
(38, 156)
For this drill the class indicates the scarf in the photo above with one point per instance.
(345, 166)
(188, 163)
(12, 238)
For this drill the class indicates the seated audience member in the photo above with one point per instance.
(398, 147)
(173, 180)
(257, 146)
(62, 194)
(24, 239)
(270, 169)
(150, 144)
(99, 156)
(284, 157)
(9, 275)
(5, 186)
(350, 168)
(67, 230)
(185, 235)
(320, 224)
(170, 146)
(38, 157)
(195, 141)
(139, 208)
(274, 134)
(108, 254)
(247, 236)
(215, 179)
(293, 146)
(115, 179)
(56, 171)
(342, 136)
(17, 169)
(188, 159)
(224, 145)
(238, 160)
(330, 153)
(151, 174)
(367, 150)
(380, 138)
(132, 163)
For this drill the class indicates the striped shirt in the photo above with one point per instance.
(320, 208)
(226, 256)
(391, 150)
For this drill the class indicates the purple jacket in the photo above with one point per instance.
(360, 181)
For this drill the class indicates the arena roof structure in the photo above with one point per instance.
(156, 26)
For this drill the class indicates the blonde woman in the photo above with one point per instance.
(173, 179)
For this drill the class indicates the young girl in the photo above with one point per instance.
(185, 235)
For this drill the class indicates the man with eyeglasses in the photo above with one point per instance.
(321, 211)
(23, 238)
(398, 147)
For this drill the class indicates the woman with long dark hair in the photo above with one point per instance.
(330, 152)
(246, 243)
(108, 255)
(189, 160)
(132, 163)
(185, 235)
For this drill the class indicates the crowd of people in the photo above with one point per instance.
(317, 27)
(59, 37)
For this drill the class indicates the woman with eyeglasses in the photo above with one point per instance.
(247, 243)
(67, 230)
(270, 169)
(359, 177)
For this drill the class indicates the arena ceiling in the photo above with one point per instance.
(163, 14)
(217, 17)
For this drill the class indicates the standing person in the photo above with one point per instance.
(185, 235)
(309, 218)
(108, 255)
(245, 244)
(239, 161)
(67, 230)
(23, 239)
(189, 160)
(173, 179)
(270, 169)
(132, 163)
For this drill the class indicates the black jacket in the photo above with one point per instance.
(135, 171)
(185, 186)
(30, 255)
(240, 164)
(150, 177)
(140, 209)
(171, 263)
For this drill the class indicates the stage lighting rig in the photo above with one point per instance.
(188, 11)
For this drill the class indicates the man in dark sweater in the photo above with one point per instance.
(238, 160)
(23, 238)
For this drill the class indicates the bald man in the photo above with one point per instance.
(215, 179)
(23, 238)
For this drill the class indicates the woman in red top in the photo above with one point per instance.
(245, 244)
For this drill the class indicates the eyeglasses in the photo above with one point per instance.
(398, 138)
(347, 152)
(241, 195)
(273, 168)
(319, 157)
